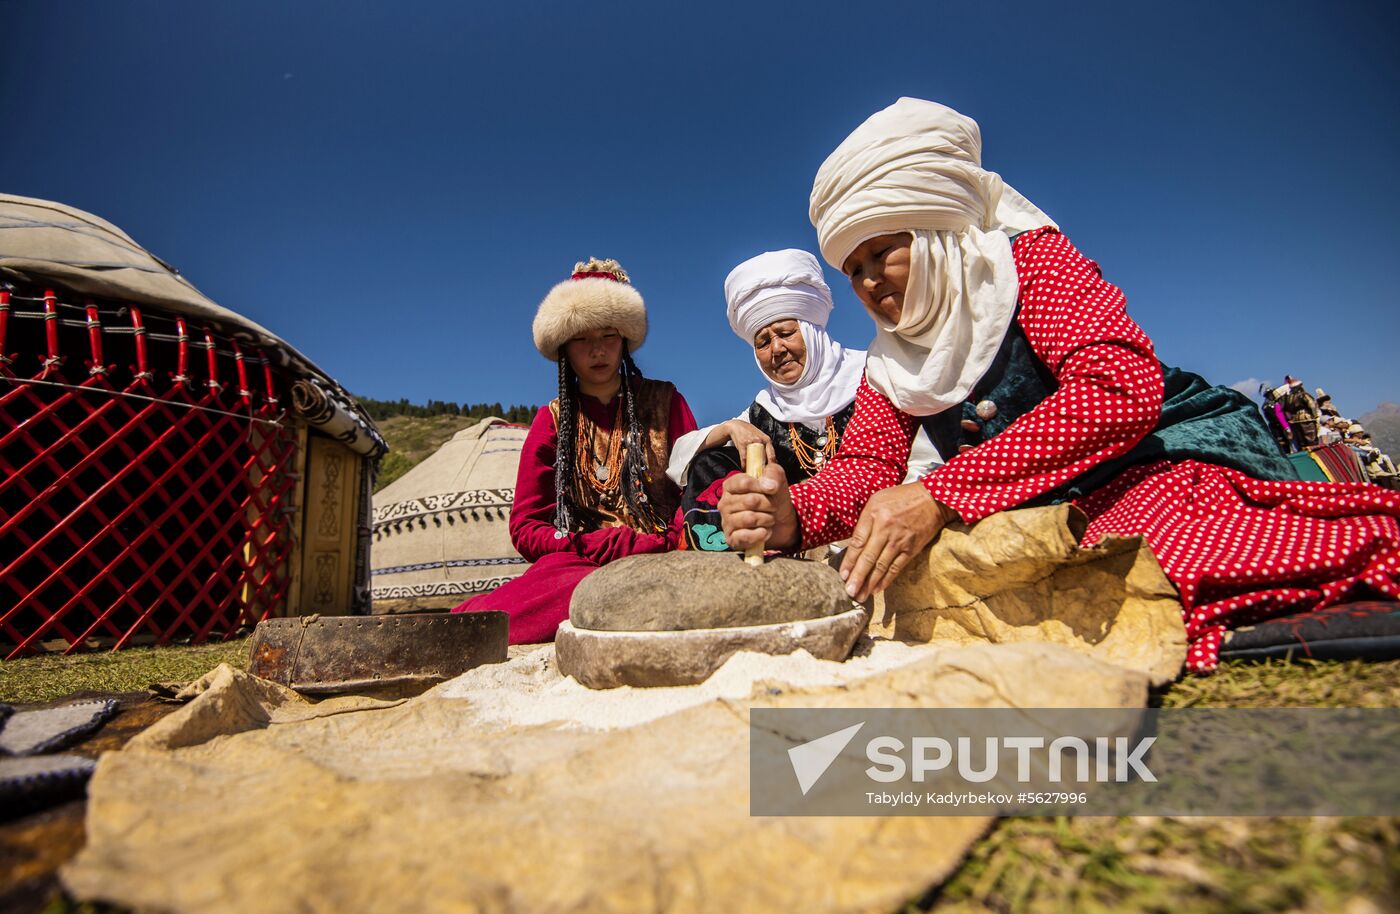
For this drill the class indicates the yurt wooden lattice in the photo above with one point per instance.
(169, 470)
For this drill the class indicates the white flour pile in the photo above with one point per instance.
(529, 690)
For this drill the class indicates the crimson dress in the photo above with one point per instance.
(538, 600)
(1238, 549)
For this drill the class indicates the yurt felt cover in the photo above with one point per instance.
(442, 530)
(46, 242)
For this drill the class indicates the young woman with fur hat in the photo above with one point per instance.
(592, 483)
(1007, 345)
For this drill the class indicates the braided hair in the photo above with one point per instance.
(564, 457)
(634, 459)
(634, 462)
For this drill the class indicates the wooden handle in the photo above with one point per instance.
(754, 461)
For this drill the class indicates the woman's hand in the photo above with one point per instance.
(894, 525)
(739, 432)
(759, 512)
(743, 433)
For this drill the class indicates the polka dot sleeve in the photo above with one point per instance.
(1109, 395)
(873, 455)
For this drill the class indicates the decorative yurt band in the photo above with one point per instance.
(332, 416)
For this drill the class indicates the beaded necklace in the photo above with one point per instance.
(808, 457)
(602, 474)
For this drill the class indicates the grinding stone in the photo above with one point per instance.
(606, 660)
(683, 591)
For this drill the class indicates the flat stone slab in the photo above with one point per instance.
(606, 660)
(684, 591)
(394, 655)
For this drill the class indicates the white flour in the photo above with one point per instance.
(528, 690)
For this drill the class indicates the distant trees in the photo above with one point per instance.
(384, 409)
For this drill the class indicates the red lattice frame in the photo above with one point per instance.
(152, 508)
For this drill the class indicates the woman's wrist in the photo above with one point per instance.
(717, 435)
(946, 515)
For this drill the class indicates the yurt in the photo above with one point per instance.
(169, 469)
(442, 530)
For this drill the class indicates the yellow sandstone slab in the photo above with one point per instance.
(1021, 576)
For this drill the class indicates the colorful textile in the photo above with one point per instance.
(1241, 550)
(538, 600)
(1365, 630)
(700, 500)
(1237, 548)
(596, 511)
(1339, 462)
(1309, 470)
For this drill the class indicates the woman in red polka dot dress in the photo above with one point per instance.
(1005, 343)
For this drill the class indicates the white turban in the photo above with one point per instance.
(916, 167)
(788, 285)
(775, 286)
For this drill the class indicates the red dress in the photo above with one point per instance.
(538, 600)
(1238, 549)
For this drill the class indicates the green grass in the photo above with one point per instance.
(1213, 865)
(1181, 866)
(50, 676)
(411, 439)
(1302, 684)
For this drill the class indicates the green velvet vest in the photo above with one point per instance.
(1199, 421)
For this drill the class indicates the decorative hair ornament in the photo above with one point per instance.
(601, 269)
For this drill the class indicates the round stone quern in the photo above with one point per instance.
(686, 591)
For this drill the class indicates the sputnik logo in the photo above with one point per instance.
(811, 759)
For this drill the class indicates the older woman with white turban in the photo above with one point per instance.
(778, 303)
(1007, 345)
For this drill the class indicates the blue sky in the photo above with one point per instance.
(393, 187)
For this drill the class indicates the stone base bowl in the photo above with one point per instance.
(608, 659)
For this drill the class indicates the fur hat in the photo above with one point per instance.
(598, 295)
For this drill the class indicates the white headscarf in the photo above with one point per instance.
(788, 285)
(916, 167)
